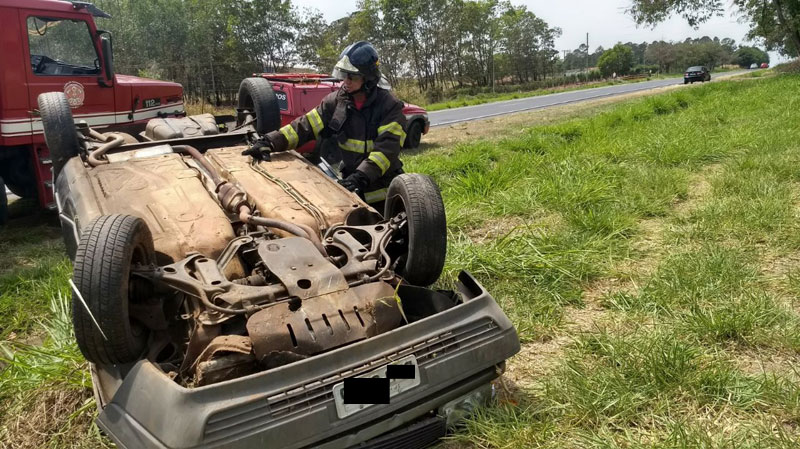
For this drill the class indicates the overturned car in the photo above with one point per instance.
(229, 302)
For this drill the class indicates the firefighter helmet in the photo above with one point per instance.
(359, 58)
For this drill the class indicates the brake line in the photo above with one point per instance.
(294, 194)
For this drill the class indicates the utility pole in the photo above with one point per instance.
(587, 52)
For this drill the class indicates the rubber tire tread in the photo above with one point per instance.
(427, 226)
(3, 203)
(265, 103)
(101, 272)
(413, 135)
(59, 129)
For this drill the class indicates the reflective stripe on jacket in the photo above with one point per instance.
(370, 138)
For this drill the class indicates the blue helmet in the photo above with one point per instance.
(359, 58)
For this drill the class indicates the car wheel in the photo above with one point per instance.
(422, 253)
(3, 203)
(257, 97)
(19, 175)
(685, 82)
(413, 135)
(59, 129)
(109, 246)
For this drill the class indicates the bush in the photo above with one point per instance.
(789, 67)
(645, 68)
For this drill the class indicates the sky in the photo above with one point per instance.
(604, 20)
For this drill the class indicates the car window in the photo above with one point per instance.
(61, 47)
(694, 69)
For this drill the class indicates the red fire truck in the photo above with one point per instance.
(51, 45)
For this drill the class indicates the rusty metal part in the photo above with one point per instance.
(294, 194)
(112, 141)
(201, 337)
(314, 237)
(201, 278)
(234, 200)
(162, 190)
(363, 247)
(297, 175)
(226, 357)
(299, 230)
(231, 197)
(301, 268)
(246, 216)
(324, 322)
(198, 156)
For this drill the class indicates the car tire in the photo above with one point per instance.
(59, 129)
(19, 175)
(423, 253)
(109, 246)
(685, 82)
(413, 135)
(256, 96)
(3, 203)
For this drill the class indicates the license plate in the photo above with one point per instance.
(396, 386)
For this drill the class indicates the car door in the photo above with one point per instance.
(64, 57)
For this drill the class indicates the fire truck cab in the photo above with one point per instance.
(53, 45)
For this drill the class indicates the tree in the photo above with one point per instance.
(746, 56)
(777, 22)
(618, 60)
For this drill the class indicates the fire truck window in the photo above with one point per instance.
(61, 47)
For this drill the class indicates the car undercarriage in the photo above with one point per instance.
(233, 297)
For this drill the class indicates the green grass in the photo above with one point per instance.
(45, 389)
(33, 269)
(688, 202)
(652, 249)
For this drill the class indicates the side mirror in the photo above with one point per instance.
(108, 58)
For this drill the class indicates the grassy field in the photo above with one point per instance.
(649, 256)
(473, 100)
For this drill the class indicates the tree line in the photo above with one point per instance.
(665, 57)
(210, 45)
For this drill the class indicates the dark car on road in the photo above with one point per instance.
(696, 73)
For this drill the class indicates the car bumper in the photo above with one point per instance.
(457, 350)
(695, 78)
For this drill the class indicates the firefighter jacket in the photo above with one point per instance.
(370, 139)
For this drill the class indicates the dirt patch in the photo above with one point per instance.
(765, 361)
(535, 361)
(699, 189)
(47, 421)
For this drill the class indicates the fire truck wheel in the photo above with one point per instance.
(105, 329)
(59, 129)
(256, 97)
(3, 203)
(421, 245)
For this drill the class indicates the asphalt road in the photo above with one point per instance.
(467, 113)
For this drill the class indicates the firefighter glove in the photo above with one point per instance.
(260, 150)
(357, 182)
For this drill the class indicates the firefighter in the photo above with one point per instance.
(363, 118)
